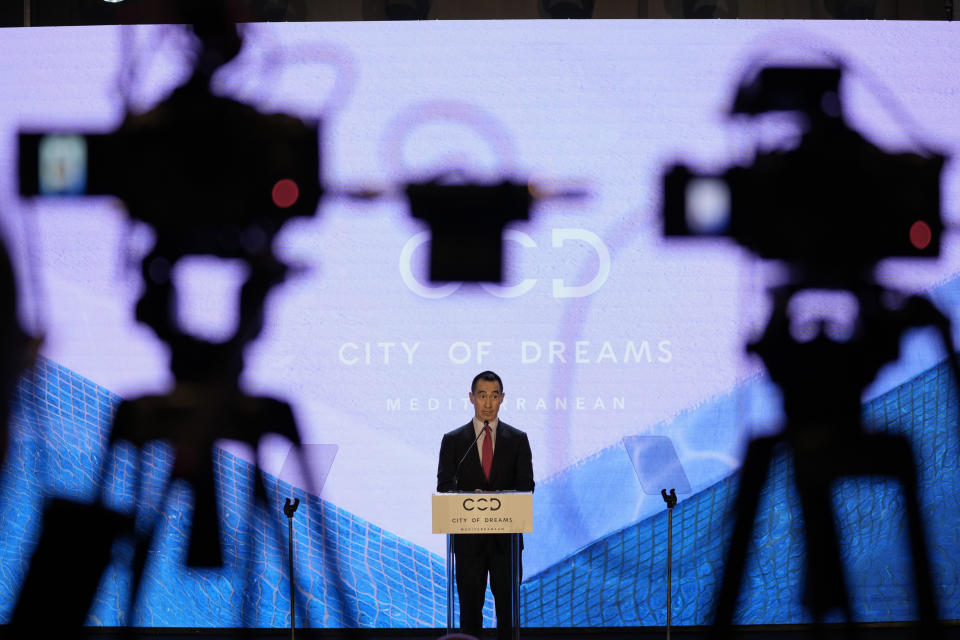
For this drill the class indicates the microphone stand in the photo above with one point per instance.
(671, 501)
(456, 474)
(289, 509)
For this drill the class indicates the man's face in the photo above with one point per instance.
(486, 399)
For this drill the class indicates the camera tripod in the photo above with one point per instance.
(822, 382)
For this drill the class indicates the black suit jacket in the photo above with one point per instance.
(512, 470)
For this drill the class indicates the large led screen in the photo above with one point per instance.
(622, 353)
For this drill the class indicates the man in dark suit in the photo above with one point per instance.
(484, 455)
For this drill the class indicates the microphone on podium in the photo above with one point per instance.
(456, 474)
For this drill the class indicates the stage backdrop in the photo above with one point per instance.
(621, 353)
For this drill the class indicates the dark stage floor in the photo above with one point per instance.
(951, 631)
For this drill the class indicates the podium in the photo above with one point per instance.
(509, 512)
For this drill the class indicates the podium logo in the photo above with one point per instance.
(481, 504)
(560, 288)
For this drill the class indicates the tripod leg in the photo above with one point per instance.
(926, 600)
(753, 475)
(825, 587)
(923, 581)
(885, 454)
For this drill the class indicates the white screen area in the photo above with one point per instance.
(602, 329)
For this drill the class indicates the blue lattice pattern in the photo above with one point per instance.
(348, 571)
(621, 579)
(60, 427)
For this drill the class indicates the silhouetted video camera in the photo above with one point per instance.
(835, 203)
(211, 176)
(467, 222)
(194, 162)
(831, 207)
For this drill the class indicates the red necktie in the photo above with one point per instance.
(486, 453)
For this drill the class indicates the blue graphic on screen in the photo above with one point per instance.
(619, 351)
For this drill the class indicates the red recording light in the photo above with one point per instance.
(285, 193)
(920, 234)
